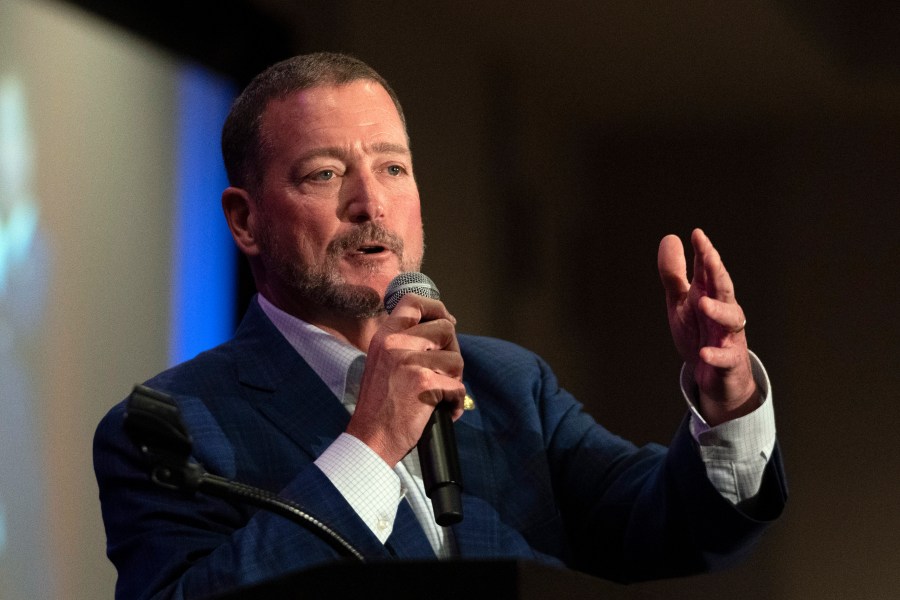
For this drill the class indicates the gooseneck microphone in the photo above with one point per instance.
(438, 456)
(153, 422)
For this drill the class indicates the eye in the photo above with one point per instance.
(323, 175)
(395, 170)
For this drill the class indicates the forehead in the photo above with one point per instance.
(360, 108)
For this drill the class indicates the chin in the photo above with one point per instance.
(378, 281)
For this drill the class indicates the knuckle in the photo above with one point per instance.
(392, 340)
(422, 379)
(448, 332)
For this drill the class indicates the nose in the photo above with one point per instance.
(365, 198)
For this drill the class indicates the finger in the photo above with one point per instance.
(413, 309)
(672, 268)
(443, 362)
(718, 281)
(701, 245)
(454, 394)
(423, 337)
(443, 388)
(441, 334)
(728, 315)
(723, 358)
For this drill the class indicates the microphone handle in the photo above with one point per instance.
(438, 457)
(439, 460)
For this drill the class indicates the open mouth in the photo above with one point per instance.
(371, 249)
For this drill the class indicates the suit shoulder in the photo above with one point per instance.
(196, 375)
(200, 376)
(494, 358)
(479, 344)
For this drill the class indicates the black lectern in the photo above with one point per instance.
(438, 580)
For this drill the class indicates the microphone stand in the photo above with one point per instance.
(154, 424)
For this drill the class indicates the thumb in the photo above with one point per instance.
(672, 268)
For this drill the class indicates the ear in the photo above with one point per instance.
(240, 212)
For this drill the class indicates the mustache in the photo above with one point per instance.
(366, 234)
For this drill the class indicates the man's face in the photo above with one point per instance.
(338, 208)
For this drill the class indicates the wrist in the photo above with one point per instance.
(715, 412)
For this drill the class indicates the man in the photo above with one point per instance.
(324, 204)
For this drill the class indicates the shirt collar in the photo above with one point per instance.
(328, 356)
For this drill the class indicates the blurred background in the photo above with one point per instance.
(554, 147)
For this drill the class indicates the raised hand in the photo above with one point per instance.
(707, 326)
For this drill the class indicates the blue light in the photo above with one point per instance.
(204, 256)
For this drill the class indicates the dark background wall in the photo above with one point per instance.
(555, 145)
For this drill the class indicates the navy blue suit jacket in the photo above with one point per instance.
(542, 480)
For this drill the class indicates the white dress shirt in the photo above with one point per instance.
(735, 453)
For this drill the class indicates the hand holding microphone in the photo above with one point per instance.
(412, 389)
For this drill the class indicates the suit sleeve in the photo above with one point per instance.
(642, 513)
(167, 544)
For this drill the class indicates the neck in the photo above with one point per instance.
(355, 331)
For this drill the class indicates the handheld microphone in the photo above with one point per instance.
(438, 455)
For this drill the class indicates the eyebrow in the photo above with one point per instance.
(341, 153)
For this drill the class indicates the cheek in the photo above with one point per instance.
(313, 244)
(312, 232)
(415, 238)
(414, 216)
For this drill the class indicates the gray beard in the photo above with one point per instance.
(322, 285)
(330, 291)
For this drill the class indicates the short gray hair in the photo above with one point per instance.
(243, 148)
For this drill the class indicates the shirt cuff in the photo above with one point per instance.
(365, 481)
(735, 452)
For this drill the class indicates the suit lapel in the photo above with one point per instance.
(407, 540)
(477, 534)
(284, 388)
(280, 385)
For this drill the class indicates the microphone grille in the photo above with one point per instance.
(409, 283)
